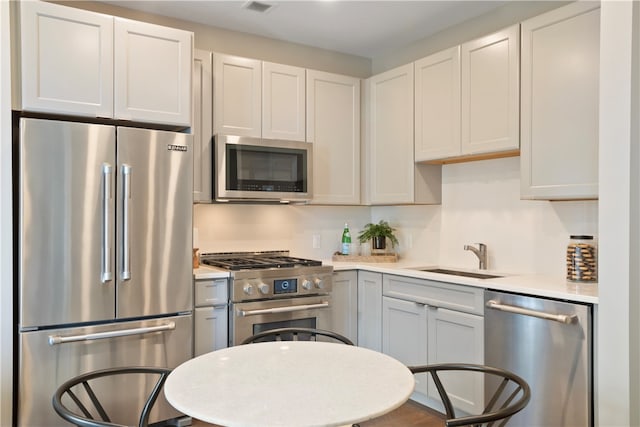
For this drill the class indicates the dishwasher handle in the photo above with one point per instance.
(561, 318)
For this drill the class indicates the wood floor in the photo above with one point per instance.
(410, 414)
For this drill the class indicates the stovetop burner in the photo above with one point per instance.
(235, 261)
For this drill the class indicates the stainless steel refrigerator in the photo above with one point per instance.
(104, 257)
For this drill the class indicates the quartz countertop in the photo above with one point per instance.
(537, 285)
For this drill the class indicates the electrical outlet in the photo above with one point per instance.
(316, 241)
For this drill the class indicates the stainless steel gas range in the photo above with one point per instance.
(273, 290)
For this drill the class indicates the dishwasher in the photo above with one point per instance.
(548, 343)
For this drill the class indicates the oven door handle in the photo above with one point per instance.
(286, 309)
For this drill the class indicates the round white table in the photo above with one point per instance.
(289, 383)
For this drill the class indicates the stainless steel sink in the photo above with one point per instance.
(460, 273)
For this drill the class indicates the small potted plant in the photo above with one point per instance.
(378, 234)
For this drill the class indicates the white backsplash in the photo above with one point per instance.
(480, 203)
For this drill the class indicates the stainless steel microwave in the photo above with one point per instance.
(262, 169)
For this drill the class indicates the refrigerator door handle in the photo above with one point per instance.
(58, 339)
(106, 232)
(562, 318)
(126, 233)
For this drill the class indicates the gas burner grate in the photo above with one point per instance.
(257, 261)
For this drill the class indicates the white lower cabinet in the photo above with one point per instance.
(454, 337)
(210, 329)
(370, 310)
(427, 322)
(345, 304)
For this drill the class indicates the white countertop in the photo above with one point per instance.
(289, 383)
(536, 285)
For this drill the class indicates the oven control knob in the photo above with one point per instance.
(248, 289)
(263, 288)
(319, 283)
(306, 285)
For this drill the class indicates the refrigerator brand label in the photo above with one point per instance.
(172, 147)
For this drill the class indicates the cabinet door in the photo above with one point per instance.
(210, 329)
(437, 105)
(67, 60)
(333, 126)
(345, 304)
(491, 92)
(560, 65)
(237, 88)
(370, 310)
(390, 139)
(283, 102)
(202, 126)
(457, 337)
(404, 334)
(152, 73)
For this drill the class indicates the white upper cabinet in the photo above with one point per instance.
(237, 88)
(467, 99)
(391, 175)
(152, 73)
(258, 99)
(490, 90)
(390, 143)
(333, 126)
(560, 84)
(202, 127)
(437, 105)
(82, 63)
(67, 60)
(283, 102)
(237, 94)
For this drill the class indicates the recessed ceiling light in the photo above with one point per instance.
(257, 6)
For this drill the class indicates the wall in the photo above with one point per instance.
(618, 341)
(242, 44)
(497, 19)
(228, 227)
(481, 203)
(6, 255)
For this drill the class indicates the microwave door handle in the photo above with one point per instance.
(287, 309)
(126, 232)
(106, 275)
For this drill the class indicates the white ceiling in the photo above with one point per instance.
(363, 28)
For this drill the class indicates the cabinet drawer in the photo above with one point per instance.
(438, 294)
(211, 292)
(210, 329)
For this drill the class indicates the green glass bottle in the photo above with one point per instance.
(346, 240)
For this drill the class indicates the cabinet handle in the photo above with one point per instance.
(562, 318)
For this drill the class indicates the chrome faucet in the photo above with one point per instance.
(481, 253)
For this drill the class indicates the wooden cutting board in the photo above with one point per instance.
(366, 258)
